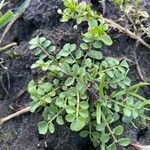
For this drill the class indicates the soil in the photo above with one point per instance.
(41, 18)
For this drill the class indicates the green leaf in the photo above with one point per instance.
(37, 51)
(77, 124)
(112, 146)
(118, 130)
(127, 112)
(46, 44)
(110, 73)
(88, 62)
(42, 39)
(84, 105)
(47, 99)
(51, 128)
(34, 105)
(84, 133)
(116, 108)
(124, 141)
(70, 117)
(40, 91)
(135, 114)
(46, 86)
(51, 49)
(83, 113)
(104, 138)
(65, 68)
(102, 85)
(72, 47)
(34, 41)
(98, 113)
(60, 120)
(72, 101)
(124, 64)
(107, 40)
(121, 69)
(64, 53)
(69, 60)
(69, 81)
(43, 127)
(97, 44)
(92, 22)
(96, 135)
(70, 109)
(76, 69)
(95, 54)
(60, 102)
(84, 46)
(100, 127)
(78, 54)
(6, 18)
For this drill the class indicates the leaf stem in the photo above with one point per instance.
(78, 104)
(111, 132)
(51, 57)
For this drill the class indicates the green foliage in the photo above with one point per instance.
(78, 11)
(82, 87)
(81, 12)
(6, 17)
(135, 15)
(127, 5)
(97, 34)
(42, 47)
(85, 89)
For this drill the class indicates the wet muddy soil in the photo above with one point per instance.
(41, 18)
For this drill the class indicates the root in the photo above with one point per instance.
(128, 32)
(16, 114)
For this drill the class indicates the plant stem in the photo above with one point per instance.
(55, 116)
(122, 104)
(18, 113)
(78, 104)
(60, 111)
(7, 46)
(132, 35)
(112, 134)
(51, 57)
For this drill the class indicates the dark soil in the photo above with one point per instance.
(42, 18)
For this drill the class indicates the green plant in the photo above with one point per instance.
(85, 89)
(134, 14)
(97, 34)
(5, 18)
(81, 12)
(78, 11)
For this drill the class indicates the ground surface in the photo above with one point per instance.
(42, 18)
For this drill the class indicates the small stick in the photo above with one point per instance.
(16, 114)
(140, 147)
(128, 32)
(7, 46)
(103, 2)
(137, 63)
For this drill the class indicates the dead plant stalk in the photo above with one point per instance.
(126, 31)
(16, 114)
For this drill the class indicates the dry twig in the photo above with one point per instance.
(128, 32)
(7, 46)
(16, 114)
(137, 63)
